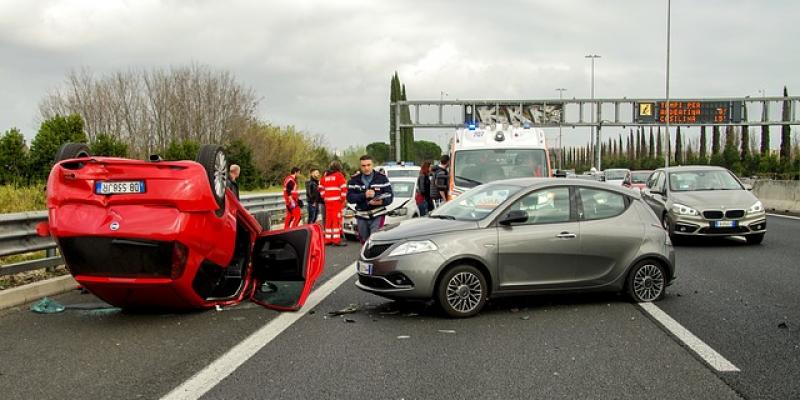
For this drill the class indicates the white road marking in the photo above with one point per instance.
(714, 359)
(783, 216)
(214, 373)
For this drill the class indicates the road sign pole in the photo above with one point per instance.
(666, 148)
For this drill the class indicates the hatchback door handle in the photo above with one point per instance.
(566, 235)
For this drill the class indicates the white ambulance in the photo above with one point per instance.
(480, 155)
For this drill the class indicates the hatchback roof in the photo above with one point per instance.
(533, 183)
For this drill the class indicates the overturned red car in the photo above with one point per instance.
(171, 235)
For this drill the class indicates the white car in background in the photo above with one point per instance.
(616, 176)
(403, 206)
(400, 171)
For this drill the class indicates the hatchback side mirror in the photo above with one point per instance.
(514, 217)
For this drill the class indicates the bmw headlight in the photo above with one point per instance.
(413, 247)
(681, 209)
(755, 208)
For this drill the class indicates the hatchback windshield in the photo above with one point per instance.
(615, 174)
(475, 204)
(686, 181)
(640, 177)
(402, 189)
(402, 173)
(476, 167)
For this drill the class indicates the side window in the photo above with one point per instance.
(651, 181)
(660, 183)
(545, 206)
(599, 204)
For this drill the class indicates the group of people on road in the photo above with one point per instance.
(433, 184)
(368, 190)
(328, 194)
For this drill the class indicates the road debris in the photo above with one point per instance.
(783, 325)
(450, 331)
(348, 320)
(403, 337)
(47, 306)
(352, 308)
(525, 317)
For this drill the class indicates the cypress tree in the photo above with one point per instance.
(652, 149)
(715, 143)
(394, 95)
(678, 147)
(745, 143)
(659, 143)
(406, 134)
(786, 132)
(703, 144)
(764, 132)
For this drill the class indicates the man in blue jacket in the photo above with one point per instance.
(371, 192)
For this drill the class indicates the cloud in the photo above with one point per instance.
(325, 66)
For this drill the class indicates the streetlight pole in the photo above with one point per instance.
(597, 131)
(666, 148)
(560, 145)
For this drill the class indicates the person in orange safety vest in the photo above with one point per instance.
(291, 197)
(333, 188)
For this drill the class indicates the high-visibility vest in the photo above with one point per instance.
(333, 187)
(288, 196)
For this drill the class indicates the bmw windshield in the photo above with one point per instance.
(476, 204)
(687, 181)
(475, 167)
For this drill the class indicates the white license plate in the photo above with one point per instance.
(723, 224)
(119, 187)
(364, 268)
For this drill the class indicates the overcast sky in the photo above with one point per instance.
(325, 66)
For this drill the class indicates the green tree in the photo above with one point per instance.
(678, 147)
(660, 144)
(240, 154)
(730, 155)
(107, 145)
(426, 151)
(379, 151)
(52, 134)
(651, 151)
(181, 150)
(13, 157)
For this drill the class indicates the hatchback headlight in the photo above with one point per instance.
(683, 210)
(413, 247)
(756, 208)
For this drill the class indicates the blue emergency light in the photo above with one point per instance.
(472, 126)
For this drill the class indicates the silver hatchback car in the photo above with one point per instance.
(522, 236)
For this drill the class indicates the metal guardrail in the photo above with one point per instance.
(18, 232)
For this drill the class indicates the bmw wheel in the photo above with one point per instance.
(462, 291)
(213, 160)
(647, 282)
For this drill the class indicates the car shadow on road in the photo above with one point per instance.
(513, 304)
(700, 241)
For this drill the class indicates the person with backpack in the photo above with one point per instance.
(440, 181)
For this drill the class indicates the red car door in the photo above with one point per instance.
(286, 264)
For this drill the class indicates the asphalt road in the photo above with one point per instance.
(740, 300)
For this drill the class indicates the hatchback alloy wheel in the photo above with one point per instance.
(462, 291)
(647, 282)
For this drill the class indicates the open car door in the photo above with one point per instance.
(286, 264)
